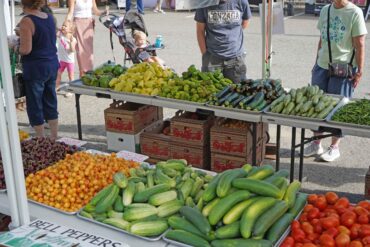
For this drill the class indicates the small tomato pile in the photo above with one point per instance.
(329, 221)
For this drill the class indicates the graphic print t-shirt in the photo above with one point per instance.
(224, 32)
(345, 23)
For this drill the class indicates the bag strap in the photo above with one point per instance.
(328, 34)
(352, 57)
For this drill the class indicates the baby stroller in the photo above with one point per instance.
(131, 21)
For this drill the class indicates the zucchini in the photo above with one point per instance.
(291, 193)
(196, 218)
(258, 97)
(236, 211)
(278, 108)
(306, 107)
(223, 92)
(229, 231)
(231, 98)
(300, 202)
(257, 186)
(224, 185)
(223, 99)
(225, 204)
(149, 228)
(143, 196)
(268, 218)
(246, 100)
(236, 102)
(108, 200)
(279, 227)
(289, 108)
(241, 242)
(299, 97)
(188, 238)
(252, 213)
(261, 105)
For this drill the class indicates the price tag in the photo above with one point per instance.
(72, 142)
(127, 155)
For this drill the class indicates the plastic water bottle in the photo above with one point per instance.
(158, 41)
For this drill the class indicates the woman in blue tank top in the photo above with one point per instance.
(40, 65)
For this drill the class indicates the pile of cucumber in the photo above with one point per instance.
(253, 95)
(248, 206)
(309, 101)
(142, 203)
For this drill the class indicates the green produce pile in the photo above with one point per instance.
(248, 206)
(102, 76)
(195, 85)
(250, 95)
(356, 112)
(308, 101)
(142, 203)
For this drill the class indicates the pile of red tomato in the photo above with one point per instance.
(329, 221)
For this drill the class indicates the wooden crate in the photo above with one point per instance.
(367, 185)
(196, 156)
(154, 143)
(233, 141)
(130, 118)
(186, 129)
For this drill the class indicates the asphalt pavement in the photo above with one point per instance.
(292, 61)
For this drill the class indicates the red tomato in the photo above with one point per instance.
(295, 225)
(355, 243)
(331, 197)
(343, 229)
(312, 198)
(288, 242)
(309, 245)
(329, 222)
(332, 232)
(328, 211)
(307, 227)
(321, 203)
(327, 240)
(298, 245)
(342, 240)
(363, 219)
(312, 236)
(366, 240)
(355, 228)
(348, 218)
(360, 210)
(313, 213)
(364, 204)
(303, 217)
(364, 231)
(308, 207)
(342, 202)
(298, 235)
(317, 228)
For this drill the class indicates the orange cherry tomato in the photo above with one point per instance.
(327, 240)
(343, 229)
(321, 203)
(348, 218)
(329, 222)
(364, 231)
(342, 240)
(355, 228)
(355, 243)
(313, 214)
(342, 202)
(363, 219)
(307, 227)
(312, 198)
(331, 197)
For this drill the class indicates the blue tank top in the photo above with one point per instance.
(44, 50)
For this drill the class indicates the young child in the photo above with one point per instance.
(141, 42)
(66, 51)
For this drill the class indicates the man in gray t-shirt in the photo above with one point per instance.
(220, 37)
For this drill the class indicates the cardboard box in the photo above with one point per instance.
(154, 143)
(367, 185)
(191, 128)
(195, 155)
(130, 118)
(119, 141)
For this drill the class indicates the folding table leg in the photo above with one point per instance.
(254, 145)
(301, 154)
(278, 132)
(78, 111)
(292, 153)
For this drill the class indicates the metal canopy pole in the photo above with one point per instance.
(269, 35)
(14, 164)
(12, 16)
(263, 19)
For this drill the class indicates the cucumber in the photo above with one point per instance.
(306, 107)
(143, 196)
(299, 97)
(223, 92)
(231, 98)
(128, 193)
(278, 100)
(238, 100)
(224, 185)
(245, 101)
(107, 201)
(293, 93)
(223, 99)
(315, 99)
(300, 202)
(279, 227)
(236, 211)
(289, 108)
(291, 193)
(139, 213)
(283, 187)
(261, 105)
(241, 242)
(101, 194)
(287, 99)
(207, 209)
(169, 208)
(252, 213)
(179, 223)
(229, 231)
(225, 204)
(86, 214)
(187, 238)
(258, 98)
(325, 112)
(261, 172)
(196, 218)
(187, 187)
(281, 173)
(149, 228)
(120, 180)
(257, 186)
(118, 205)
(278, 108)
(268, 218)
(119, 223)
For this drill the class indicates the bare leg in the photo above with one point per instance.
(317, 134)
(59, 78)
(335, 141)
(71, 76)
(53, 129)
(40, 131)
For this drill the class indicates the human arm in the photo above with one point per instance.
(71, 9)
(318, 48)
(72, 44)
(246, 13)
(201, 37)
(359, 45)
(245, 24)
(96, 11)
(26, 31)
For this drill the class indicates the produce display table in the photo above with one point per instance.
(72, 221)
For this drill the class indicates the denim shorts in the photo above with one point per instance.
(332, 85)
(41, 99)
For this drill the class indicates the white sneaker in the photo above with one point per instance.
(331, 154)
(155, 10)
(313, 149)
(68, 95)
(161, 11)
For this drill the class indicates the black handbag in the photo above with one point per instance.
(18, 85)
(342, 70)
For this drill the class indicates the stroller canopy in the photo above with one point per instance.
(135, 21)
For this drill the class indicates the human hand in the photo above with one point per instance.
(356, 78)
(13, 41)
